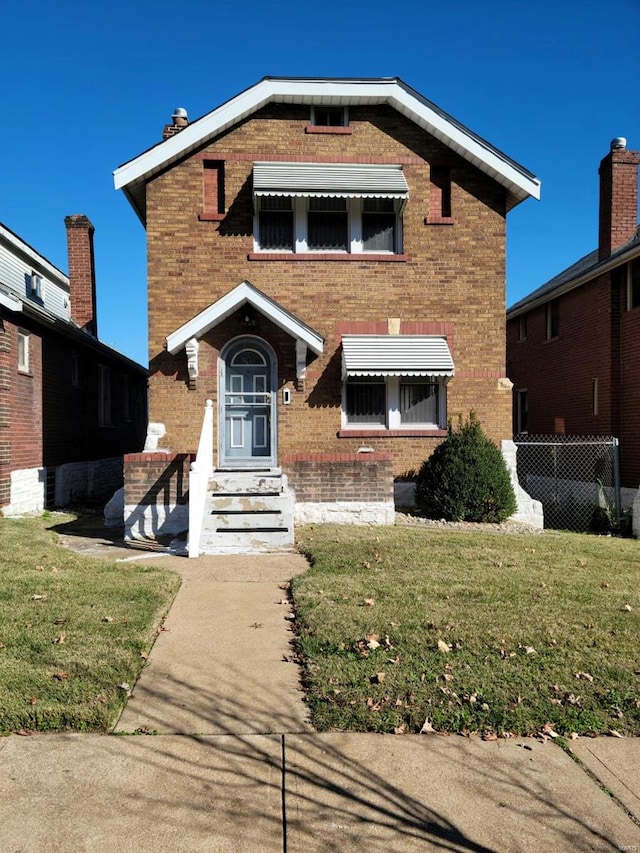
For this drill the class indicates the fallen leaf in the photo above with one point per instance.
(489, 736)
(124, 686)
(61, 638)
(61, 675)
(369, 602)
(144, 655)
(378, 678)
(59, 621)
(401, 729)
(548, 730)
(585, 676)
(604, 585)
(443, 647)
(394, 660)
(259, 624)
(23, 732)
(44, 598)
(626, 607)
(107, 619)
(373, 645)
(286, 585)
(427, 728)
(367, 564)
(34, 700)
(615, 733)
(574, 736)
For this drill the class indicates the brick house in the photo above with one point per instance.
(70, 406)
(326, 265)
(573, 344)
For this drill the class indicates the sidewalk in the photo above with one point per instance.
(238, 768)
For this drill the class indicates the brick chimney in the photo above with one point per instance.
(180, 120)
(82, 273)
(618, 197)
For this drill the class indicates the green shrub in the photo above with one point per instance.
(466, 478)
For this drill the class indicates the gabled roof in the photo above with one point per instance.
(244, 293)
(518, 181)
(584, 270)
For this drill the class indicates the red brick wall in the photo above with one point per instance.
(452, 274)
(44, 420)
(82, 279)
(326, 477)
(157, 478)
(599, 339)
(618, 199)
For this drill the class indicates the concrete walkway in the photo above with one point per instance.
(237, 767)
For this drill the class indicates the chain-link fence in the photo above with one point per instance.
(576, 478)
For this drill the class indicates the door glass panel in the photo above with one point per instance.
(248, 356)
(260, 383)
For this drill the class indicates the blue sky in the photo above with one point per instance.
(89, 86)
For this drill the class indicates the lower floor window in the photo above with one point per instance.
(394, 402)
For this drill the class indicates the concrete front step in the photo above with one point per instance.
(247, 512)
(254, 482)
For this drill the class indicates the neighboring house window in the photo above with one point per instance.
(351, 225)
(522, 327)
(595, 402)
(104, 396)
(394, 403)
(522, 411)
(553, 319)
(633, 285)
(440, 193)
(213, 198)
(75, 370)
(23, 352)
(35, 286)
(329, 116)
(126, 398)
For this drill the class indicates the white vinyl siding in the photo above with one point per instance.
(18, 263)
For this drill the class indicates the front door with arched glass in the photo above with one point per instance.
(247, 416)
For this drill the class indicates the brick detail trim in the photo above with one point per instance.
(392, 433)
(328, 256)
(316, 128)
(269, 157)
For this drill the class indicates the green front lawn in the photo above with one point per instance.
(470, 631)
(74, 631)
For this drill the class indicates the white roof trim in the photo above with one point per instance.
(396, 355)
(518, 181)
(8, 300)
(335, 180)
(230, 302)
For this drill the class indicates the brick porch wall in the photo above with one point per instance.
(334, 477)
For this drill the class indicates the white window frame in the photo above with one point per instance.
(23, 351)
(36, 285)
(343, 110)
(393, 414)
(631, 305)
(355, 246)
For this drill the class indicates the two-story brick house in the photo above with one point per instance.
(70, 406)
(326, 264)
(573, 344)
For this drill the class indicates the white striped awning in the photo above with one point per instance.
(396, 355)
(329, 180)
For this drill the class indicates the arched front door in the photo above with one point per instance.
(247, 386)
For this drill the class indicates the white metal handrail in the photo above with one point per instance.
(199, 480)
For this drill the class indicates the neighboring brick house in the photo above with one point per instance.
(326, 263)
(573, 345)
(70, 407)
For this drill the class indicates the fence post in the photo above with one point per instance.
(616, 477)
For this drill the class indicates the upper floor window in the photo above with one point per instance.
(633, 284)
(35, 286)
(23, 351)
(553, 319)
(522, 411)
(75, 370)
(328, 224)
(522, 327)
(329, 117)
(104, 396)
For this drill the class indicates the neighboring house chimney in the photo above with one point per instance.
(82, 273)
(618, 197)
(180, 121)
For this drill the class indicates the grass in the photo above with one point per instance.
(476, 632)
(72, 630)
